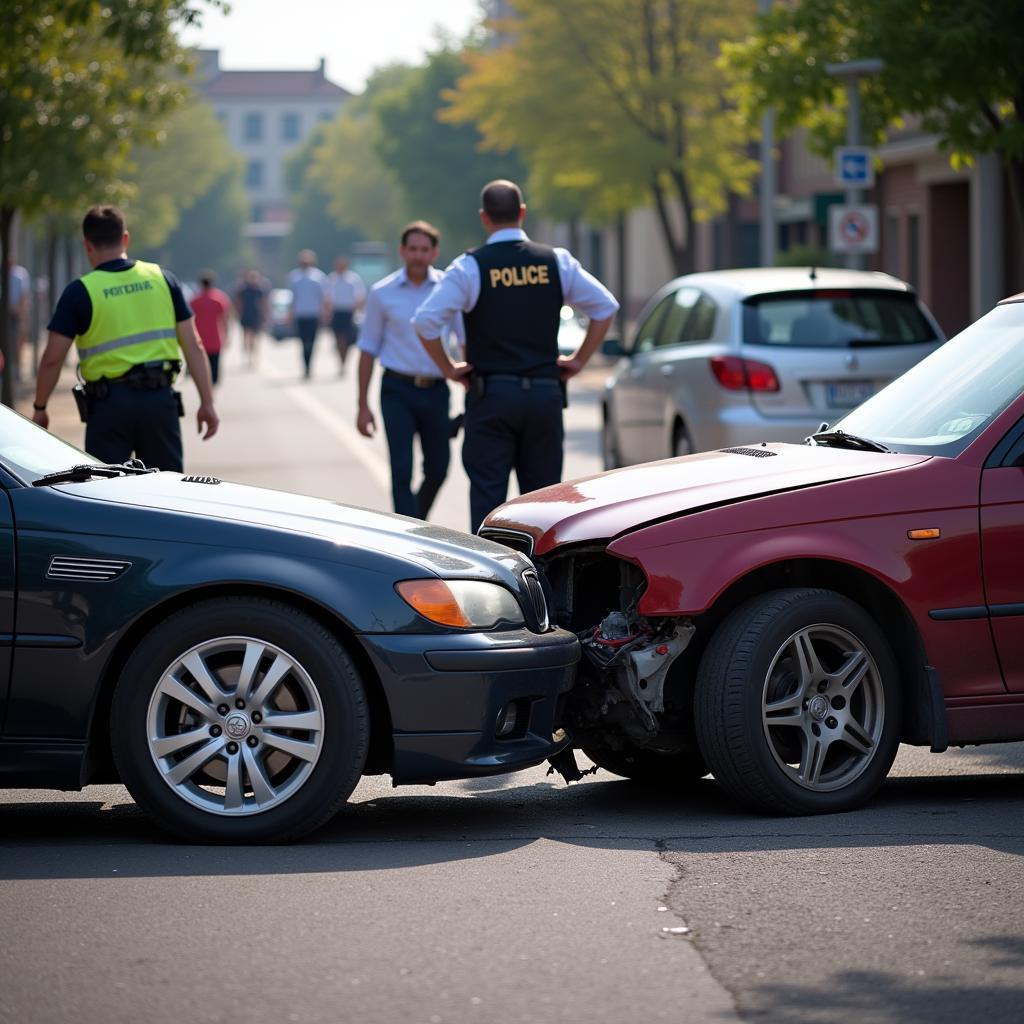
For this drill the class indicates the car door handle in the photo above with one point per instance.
(667, 370)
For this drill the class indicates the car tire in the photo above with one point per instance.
(609, 443)
(650, 766)
(798, 703)
(681, 442)
(240, 719)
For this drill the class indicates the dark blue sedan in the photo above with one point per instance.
(239, 657)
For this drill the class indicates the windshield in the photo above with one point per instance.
(835, 318)
(31, 452)
(939, 406)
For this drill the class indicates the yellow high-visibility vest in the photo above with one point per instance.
(133, 321)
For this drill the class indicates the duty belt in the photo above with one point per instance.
(141, 377)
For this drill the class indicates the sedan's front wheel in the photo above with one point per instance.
(798, 703)
(240, 720)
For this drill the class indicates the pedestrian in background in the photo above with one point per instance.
(308, 285)
(253, 311)
(131, 325)
(511, 291)
(346, 295)
(413, 392)
(212, 309)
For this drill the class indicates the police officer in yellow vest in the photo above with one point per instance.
(131, 324)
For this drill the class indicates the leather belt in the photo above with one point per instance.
(417, 380)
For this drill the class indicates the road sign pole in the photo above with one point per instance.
(854, 137)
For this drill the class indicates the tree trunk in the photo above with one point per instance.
(623, 275)
(8, 343)
(676, 250)
(1015, 178)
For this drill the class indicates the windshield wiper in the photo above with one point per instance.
(841, 439)
(89, 470)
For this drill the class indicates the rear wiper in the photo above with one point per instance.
(88, 470)
(841, 439)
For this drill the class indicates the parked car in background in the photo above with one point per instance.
(572, 328)
(785, 615)
(280, 309)
(735, 357)
(239, 657)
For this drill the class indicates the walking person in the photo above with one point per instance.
(131, 325)
(511, 292)
(346, 295)
(253, 310)
(308, 285)
(413, 393)
(212, 309)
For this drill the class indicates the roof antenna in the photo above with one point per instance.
(814, 273)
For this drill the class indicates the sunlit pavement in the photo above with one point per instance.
(518, 898)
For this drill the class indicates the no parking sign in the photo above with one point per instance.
(853, 229)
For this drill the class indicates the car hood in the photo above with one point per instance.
(603, 506)
(346, 529)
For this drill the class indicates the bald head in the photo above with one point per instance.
(501, 203)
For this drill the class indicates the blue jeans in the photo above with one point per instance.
(407, 411)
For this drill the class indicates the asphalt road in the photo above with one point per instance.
(516, 899)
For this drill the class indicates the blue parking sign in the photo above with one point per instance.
(854, 166)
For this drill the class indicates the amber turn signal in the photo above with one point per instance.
(434, 600)
(924, 534)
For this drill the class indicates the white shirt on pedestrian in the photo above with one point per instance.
(387, 333)
(308, 286)
(345, 291)
(460, 288)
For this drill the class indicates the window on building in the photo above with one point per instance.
(891, 248)
(913, 250)
(326, 115)
(290, 127)
(252, 130)
(254, 174)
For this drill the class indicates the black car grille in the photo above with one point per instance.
(538, 601)
(754, 453)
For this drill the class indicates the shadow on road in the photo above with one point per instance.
(91, 839)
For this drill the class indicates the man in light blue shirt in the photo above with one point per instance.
(511, 291)
(414, 393)
(308, 284)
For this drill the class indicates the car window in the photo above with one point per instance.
(835, 318)
(31, 452)
(647, 332)
(701, 325)
(940, 405)
(680, 309)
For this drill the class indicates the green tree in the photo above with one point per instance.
(439, 166)
(80, 82)
(955, 64)
(620, 101)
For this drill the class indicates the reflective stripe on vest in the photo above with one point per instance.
(133, 321)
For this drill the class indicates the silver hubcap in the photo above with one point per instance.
(823, 707)
(235, 726)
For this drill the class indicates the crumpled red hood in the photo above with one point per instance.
(605, 505)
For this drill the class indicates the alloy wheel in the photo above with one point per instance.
(235, 726)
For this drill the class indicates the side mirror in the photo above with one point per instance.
(612, 348)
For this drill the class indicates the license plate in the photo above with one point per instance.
(848, 393)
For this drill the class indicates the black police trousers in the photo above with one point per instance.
(509, 427)
(135, 421)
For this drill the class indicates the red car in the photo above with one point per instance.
(785, 615)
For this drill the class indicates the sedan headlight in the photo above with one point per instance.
(464, 604)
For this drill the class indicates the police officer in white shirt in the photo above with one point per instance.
(511, 292)
(346, 294)
(413, 393)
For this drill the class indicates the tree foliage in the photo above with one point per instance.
(954, 64)
(615, 104)
(438, 165)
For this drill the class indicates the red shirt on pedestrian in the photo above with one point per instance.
(211, 307)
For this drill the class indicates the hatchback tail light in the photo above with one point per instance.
(735, 374)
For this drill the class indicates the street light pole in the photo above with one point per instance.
(851, 72)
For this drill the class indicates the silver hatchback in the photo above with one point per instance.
(735, 357)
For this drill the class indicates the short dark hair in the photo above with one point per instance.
(103, 226)
(206, 278)
(501, 201)
(421, 227)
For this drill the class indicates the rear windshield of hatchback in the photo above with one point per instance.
(835, 318)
